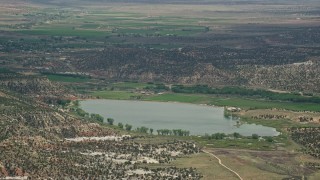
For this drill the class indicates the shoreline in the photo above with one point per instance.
(183, 103)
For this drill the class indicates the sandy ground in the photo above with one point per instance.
(16, 177)
(138, 171)
(122, 158)
(104, 138)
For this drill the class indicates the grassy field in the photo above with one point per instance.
(64, 32)
(120, 95)
(197, 99)
(130, 85)
(315, 176)
(262, 164)
(243, 143)
(206, 165)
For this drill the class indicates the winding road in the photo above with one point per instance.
(220, 162)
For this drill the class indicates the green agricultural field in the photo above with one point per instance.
(62, 78)
(64, 32)
(113, 21)
(197, 99)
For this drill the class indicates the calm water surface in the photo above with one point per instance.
(197, 119)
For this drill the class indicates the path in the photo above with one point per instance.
(220, 162)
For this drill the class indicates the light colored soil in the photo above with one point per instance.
(104, 138)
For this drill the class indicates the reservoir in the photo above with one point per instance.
(198, 119)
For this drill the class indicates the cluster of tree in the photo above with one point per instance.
(215, 136)
(175, 132)
(63, 102)
(218, 136)
(305, 119)
(97, 117)
(142, 129)
(127, 127)
(255, 136)
(120, 125)
(110, 121)
(205, 89)
(81, 112)
(269, 116)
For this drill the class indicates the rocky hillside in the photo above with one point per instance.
(291, 77)
(30, 84)
(271, 68)
(25, 112)
(39, 141)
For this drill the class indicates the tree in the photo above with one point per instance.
(120, 125)
(81, 112)
(218, 136)
(269, 139)
(255, 136)
(143, 129)
(128, 127)
(63, 102)
(76, 103)
(110, 121)
(236, 135)
(97, 117)
(151, 130)
(186, 133)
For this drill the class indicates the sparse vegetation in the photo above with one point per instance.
(261, 57)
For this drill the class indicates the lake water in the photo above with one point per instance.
(197, 119)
